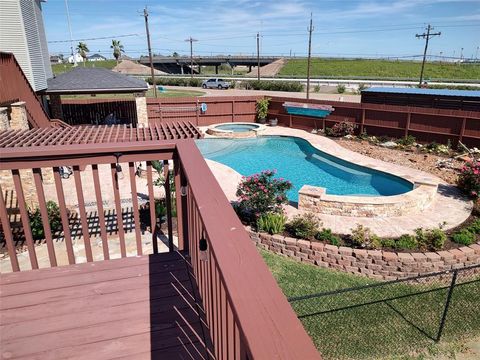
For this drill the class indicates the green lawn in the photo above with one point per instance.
(381, 69)
(396, 329)
(61, 68)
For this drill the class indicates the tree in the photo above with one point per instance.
(175, 54)
(117, 49)
(82, 49)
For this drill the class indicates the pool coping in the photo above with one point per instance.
(230, 134)
(447, 207)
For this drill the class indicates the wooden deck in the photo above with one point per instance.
(132, 308)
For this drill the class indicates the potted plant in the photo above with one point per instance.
(262, 110)
(273, 122)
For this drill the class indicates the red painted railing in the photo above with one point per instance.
(247, 314)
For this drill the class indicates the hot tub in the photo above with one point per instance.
(235, 130)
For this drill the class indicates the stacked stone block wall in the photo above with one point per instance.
(375, 264)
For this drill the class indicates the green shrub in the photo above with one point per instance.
(464, 237)
(327, 236)
(289, 86)
(54, 220)
(343, 128)
(271, 223)
(469, 178)
(341, 88)
(407, 141)
(406, 242)
(316, 88)
(303, 226)
(388, 243)
(172, 81)
(261, 193)
(262, 108)
(364, 237)
(475, 227)
(432, 239)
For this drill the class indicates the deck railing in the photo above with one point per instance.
(246, 312)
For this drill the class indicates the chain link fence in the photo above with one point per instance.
(395, 318)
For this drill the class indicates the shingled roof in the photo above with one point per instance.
(83, 80)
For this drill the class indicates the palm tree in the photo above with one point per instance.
(82, 49)
(117, 49)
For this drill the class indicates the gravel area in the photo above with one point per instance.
(412, 158)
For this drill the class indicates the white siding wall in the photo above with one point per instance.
(23, 34)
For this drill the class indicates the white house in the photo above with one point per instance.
(22, 33)
(96, 57)
(78, 58)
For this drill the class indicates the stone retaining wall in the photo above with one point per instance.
(376, 264)
(312, 198)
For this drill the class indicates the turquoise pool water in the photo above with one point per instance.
(237, 127)
(298, 161)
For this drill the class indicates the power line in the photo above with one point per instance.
(90, 39)
(427, 36)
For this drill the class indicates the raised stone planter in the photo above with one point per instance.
(375, 264)
(315, 199)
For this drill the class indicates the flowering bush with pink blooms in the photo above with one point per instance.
(261, 194)
(469, 178)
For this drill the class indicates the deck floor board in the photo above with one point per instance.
(142, 307)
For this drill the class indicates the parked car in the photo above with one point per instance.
(215, 84)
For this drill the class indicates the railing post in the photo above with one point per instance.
(181, 200)
(462, 130)
(447, 305)
(407, 126)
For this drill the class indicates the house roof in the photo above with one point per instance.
(95, 56)
(419, 91)
(82, 80)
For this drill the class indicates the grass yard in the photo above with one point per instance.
(169, 93)
(402, 328)
(381, 69)
(61, 68)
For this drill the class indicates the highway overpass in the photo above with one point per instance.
(181, 64)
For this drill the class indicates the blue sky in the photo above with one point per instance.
(342, 28)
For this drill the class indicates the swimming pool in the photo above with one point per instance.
(298, 161)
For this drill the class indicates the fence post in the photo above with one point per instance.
(407, 126)
(462, 130)
(447, 305)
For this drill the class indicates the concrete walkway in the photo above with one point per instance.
(449, 207)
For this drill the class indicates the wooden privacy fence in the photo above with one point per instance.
(219, 109)
(247, 315)
(94, 111)
(425, 124)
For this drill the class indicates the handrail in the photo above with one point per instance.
(247, 314)
(268, 325)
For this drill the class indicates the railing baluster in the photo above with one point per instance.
(83, 213)
(151, 201)
(168, 200)
(37, 176)
(133, 187)
(27, 231)
(64, 215)
(7, 231)
(178, 195)
(101, 213)
(230, 332)
(118, 210)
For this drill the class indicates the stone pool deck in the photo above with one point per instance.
(448, 207)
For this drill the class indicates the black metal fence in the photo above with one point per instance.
(395, 318)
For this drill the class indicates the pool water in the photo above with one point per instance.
(237, 127)
(298, 161)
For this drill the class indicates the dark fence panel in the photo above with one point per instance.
(95, 111)
(427, 125)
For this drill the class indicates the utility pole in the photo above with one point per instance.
(258, 56)
(427, 37)
(152, 72)
(310, 30)
(191, 40)
(71, 36)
